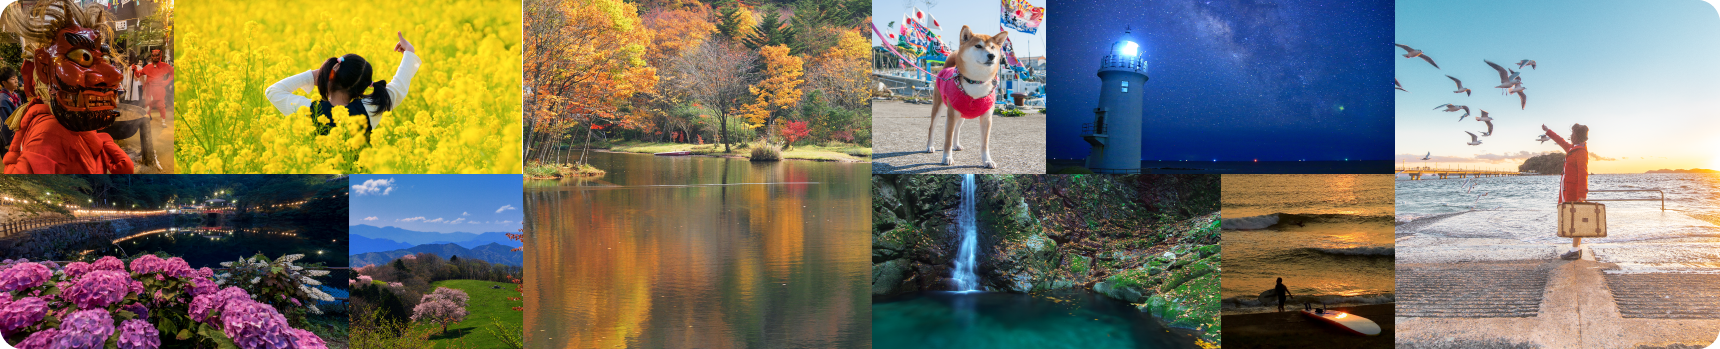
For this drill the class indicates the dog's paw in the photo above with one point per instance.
(990, 164)
(958, 147)
(930, 150)
(948, 161)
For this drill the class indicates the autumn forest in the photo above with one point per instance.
(760, 79)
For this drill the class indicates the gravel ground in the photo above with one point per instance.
(899, 142)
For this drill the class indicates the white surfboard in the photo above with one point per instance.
(1348, 322)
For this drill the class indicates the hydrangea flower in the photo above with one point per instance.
(216, 301)
(21, 313)
(138, 334)
(85, 329)
(75, 269)
(307, 340)
(98, 289)
(201, 286)
(40, 340)
(23, 276)
(255, 325)
(108, 263)
(141, 311)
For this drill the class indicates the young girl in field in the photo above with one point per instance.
(342, 81)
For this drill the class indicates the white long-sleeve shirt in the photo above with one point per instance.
(281, 93)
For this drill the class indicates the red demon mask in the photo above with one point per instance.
(81, 83)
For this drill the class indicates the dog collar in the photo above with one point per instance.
(972, 81)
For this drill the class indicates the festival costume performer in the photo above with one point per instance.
(70, 90)
(157, 76)
(342, 81)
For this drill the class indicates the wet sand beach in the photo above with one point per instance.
(1291, 329)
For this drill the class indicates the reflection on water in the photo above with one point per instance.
(209, 246)
(685, 252)
(1010, 320)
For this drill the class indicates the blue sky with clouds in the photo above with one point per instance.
(438, 203)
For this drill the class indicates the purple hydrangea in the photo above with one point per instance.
(24, 276)
(85, 329)
(255, 325)
(141, 311)
(203, 273)
(21, 313)
(308, 340)
(138, 334)
(43, 339)
(98, 289)
(171, 267)
(201, 286)
(203, 304)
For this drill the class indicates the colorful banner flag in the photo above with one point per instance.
(1009, 52)
(1021, 16)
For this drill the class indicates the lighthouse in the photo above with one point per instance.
(1115, 132)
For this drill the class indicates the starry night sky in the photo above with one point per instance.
(1233, 80)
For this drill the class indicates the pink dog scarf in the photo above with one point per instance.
(960, 101)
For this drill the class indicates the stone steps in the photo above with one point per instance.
(1483, 291)
(1666, 296)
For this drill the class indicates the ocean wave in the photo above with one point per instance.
(1384, 251)
(1299, 219)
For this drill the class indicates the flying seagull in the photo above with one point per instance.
(1506, 78)
(1488, 120)
(1398, 85)
(1452, 107)
(1413, 53)
(1543, 138)
(1529, 62)
(1460, 88)
(1473, 140)
(1523, 99)
(1428, 156)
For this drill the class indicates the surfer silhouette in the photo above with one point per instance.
(1283, 294)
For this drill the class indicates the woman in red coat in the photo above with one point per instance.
(1576, 185)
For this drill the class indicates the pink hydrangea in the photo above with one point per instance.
(23, 276)
(255, 325)
(203, 272)
(85, 329)
(43, 339)
(307, 340)
(108, 263)
(98, 289)
(75, 269)
(147, 264)
(138, 334)
(21, 313)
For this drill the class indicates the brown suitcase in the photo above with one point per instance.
(1582, 220)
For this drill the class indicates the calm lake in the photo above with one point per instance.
(700, 252)
(209, 246)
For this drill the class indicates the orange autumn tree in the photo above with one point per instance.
(584, 60)
(780, 89)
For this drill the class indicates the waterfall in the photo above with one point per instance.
(966, 222)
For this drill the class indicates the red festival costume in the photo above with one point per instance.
(1576, 185)
(72, 92)
(160, 75)
(960, 101)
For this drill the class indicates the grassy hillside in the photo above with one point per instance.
(487, 305)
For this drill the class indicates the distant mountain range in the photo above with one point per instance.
(493, 253)
(368, 238)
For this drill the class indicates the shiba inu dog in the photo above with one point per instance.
(967, 86)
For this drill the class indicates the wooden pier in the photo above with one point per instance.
(1418, 173)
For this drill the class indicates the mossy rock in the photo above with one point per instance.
(1078, 265)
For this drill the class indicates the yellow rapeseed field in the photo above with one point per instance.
(461, 114)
